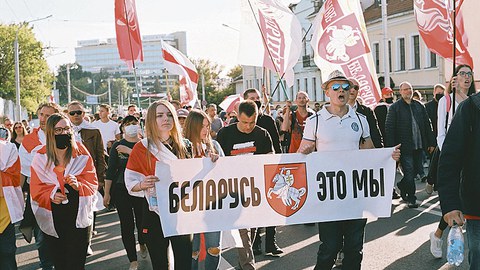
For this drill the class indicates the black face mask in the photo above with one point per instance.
(259, 104)
(438, 96)
(389, 100)
(62, 141)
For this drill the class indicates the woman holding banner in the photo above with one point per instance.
(206, 246)
(163, 142)
(462, 82)
(63, 186)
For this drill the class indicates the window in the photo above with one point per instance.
(298, 86)
(376, 56)
(314, 88)
(390, 55)
(401, 54)
(416, 52)
(431, 59)
(306, 85)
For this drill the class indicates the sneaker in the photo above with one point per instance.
(403, 193)
(429, 189)
(395, 194)
(89, 251)
(436, 246)
(133, 265)
(143, 251)
(413, 204)
(424, 179)
(274, 251)
(339, 259)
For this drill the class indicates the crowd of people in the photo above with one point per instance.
(53, 175)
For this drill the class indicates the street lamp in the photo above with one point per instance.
(17, 69)
(69, 84)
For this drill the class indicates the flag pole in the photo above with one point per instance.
(131, 53)
(265, 44)
(454, 24)
(278, 82)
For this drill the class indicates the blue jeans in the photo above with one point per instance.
(212, 240)
(8, 249)
(473, 240)
(409, 161)
(334, 235)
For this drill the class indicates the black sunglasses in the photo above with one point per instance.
(344, 86)
(72, 113)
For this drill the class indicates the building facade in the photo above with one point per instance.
(97, 54)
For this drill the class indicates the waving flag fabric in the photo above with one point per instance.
(435, 24)
(177, 63)
(228, 104)
(277, 44)
(340, 42)
(129, 41)
(10, 180)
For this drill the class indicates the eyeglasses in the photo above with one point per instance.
(8, 125)
(60, 130)
(465, 73)
(72, 113)
(344, 86)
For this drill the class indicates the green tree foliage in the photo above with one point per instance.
(35, 77)
(83, 83)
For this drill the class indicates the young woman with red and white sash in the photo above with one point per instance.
(63, 187)
(163, 142)
(11, 199)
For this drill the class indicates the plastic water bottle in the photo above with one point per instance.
(152, 199)
(455, 245)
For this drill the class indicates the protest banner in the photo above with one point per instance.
(197, 195)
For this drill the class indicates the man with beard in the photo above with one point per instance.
(382, 107)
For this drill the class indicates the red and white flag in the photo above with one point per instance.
(129, 41)
(340, 42)
(177, 63)
(228, 104)
(435, 24)
(277, 45)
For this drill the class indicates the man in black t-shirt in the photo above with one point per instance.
(245, 138)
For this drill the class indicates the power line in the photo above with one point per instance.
(11, 9)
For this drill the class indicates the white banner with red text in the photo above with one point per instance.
(197, 195)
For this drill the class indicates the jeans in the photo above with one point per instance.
(212, 242)
(269, 239)
(409, 161)
(334, 235)
(246, 259)
(473, 240)
(8, 248)
(130, 212)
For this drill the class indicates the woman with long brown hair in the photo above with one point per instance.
(463, 82)
(206, 246)
(163, 142)
(62, 187)
(18, 133)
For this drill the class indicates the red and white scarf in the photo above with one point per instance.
(46, 181)
(10, 179)
(30, 144)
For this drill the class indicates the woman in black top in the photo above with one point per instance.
(128, 206)
(19, 132)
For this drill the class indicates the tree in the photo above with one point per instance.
(211, 72)
(35, 77)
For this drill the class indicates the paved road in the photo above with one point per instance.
(399, 242)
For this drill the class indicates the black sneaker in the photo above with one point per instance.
(412, 205)
(395, 194)
(274, 251)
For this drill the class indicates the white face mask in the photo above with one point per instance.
(132, 130)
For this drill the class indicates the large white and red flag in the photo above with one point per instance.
(177, 63)
(129, 41)
(270, 37)
(340, 42)
(435, 24)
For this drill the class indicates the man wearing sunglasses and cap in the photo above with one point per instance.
(337, 127)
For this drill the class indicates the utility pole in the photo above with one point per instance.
(109, 93)
(69, 85)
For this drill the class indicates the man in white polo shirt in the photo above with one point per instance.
(109, 129)
(338, 127)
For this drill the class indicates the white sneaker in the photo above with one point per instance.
(428, 189)
(89, 251)
(436, 246)
(133, 265)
